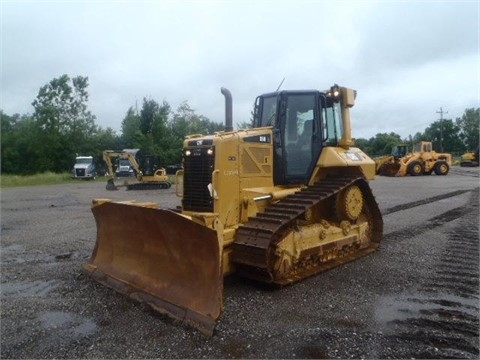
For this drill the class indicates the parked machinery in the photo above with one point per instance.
(389, 165)
(470, 158)
(423, 160)
(84, 168)
(148, 176)
(276, 203)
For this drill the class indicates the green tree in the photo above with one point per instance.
(131, 133)
(148, 113)
(186, 122)
(468, 126)
(9, 151)
(149, 129)
(364, 145)
(244, 125)
(161, 133)
(383, 143)
(65, 123)
(104, 139)
(444, 136)
(20, 144)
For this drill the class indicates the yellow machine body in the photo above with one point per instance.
(470, 159)
(241, 214)
(388, 165)
(158, 179)
(424, 160)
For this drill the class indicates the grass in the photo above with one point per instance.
(46, 178)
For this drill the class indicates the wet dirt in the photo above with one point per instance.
(417, 297)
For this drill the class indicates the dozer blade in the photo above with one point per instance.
(160, 258)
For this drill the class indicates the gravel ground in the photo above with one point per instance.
(418, 297)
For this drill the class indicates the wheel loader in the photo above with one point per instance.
(149, 176)
(276, 203)
(389, 165)
(424, 160)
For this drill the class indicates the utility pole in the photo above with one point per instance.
(441, 112)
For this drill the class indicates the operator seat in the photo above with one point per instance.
(305, 139)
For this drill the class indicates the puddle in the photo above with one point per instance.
(86, 328)
(15, 248)
(444, 326)
(71, 326)
(391, 309)
(54, 319)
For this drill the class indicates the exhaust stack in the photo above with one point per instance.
(228, 109)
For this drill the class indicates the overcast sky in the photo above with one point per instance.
(406, 59)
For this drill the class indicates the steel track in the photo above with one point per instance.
(255, 241)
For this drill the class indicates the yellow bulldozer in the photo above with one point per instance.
(276, 203)
(470, 158)
(149, 176)
(423, 160)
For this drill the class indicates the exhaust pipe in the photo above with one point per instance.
(228, 109)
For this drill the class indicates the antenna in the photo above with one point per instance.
(278, 88)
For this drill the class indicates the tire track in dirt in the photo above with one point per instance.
(433, 222)
(443, 320)
(423, 201)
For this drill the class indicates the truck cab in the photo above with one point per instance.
(84, 168)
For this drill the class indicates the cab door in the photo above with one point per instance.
(297, 137)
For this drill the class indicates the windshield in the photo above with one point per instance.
(269, 111)
(83, 161)
(123, 162)
(332, 123)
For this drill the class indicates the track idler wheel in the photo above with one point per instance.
(349, 203)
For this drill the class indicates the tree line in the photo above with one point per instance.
(446, 135)
(62, 126)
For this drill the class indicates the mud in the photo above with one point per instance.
(417, 297)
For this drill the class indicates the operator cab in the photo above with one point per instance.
(303, 123)
(399, 151)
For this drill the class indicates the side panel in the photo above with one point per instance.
(349, 158)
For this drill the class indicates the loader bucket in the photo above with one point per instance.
(160, 258)
(389, 169)
(111, 185)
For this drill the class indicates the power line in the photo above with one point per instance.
(441, 112)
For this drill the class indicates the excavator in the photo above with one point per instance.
(276, 203)
(149, 176)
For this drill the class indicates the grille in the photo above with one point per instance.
(80, 172)
(198, 168)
